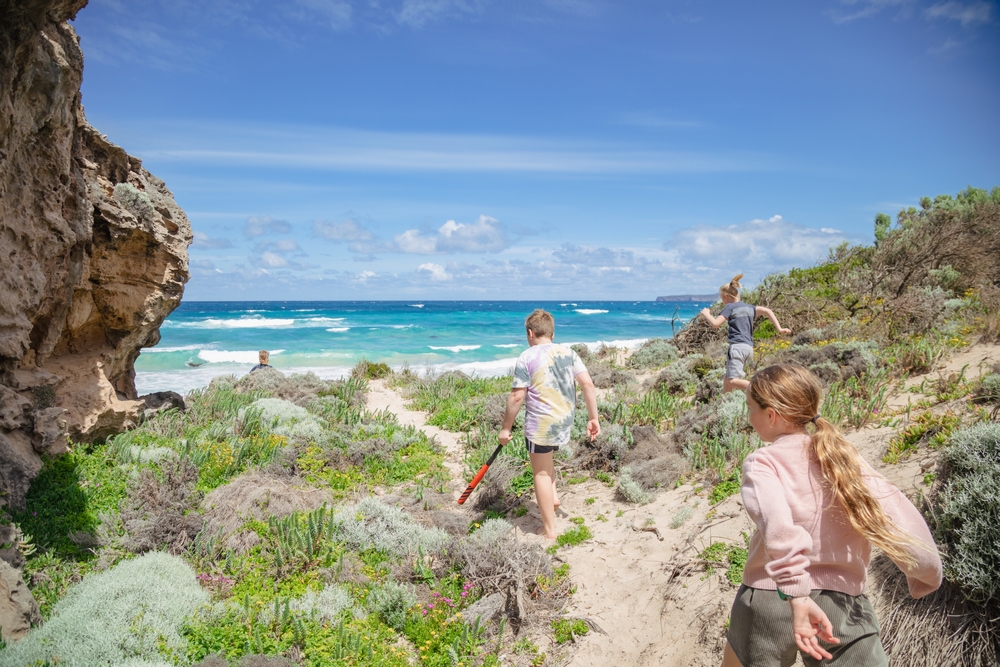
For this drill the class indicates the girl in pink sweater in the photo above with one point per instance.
(818, 507)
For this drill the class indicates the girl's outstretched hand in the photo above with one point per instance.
(810, 624)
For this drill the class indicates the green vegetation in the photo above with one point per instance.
(565, 629)
(730, 556)
(934, 429)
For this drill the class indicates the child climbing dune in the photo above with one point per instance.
(819, 507)
(740, 317)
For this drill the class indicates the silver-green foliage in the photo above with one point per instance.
(654, 353)
(326, 605)
(991, 387)
(968, 512)
(285, 418)
(372, 524)
(134, 200)
(131, 612)
(681, 516)
(391, 602)
(630, 490)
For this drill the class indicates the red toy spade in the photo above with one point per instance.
(479, 477)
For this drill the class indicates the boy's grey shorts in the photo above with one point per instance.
(760, 630)
(736, 359)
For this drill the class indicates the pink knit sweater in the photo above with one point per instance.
(804, 540)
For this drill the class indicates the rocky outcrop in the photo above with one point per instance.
(18, 609)
(93, 252)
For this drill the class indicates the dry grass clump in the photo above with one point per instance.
(675, 379)
(255, 495)
(606, 376)
(159, 508)
(939, 630)
(700, 336)
(494, 492)
(654, 461)
(835, 361)
(497, 561)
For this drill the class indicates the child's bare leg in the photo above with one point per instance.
(734, 384)
(545, 487)
(555, 493)
(729, 658)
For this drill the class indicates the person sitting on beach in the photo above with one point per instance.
(263, 356)
(545, 378)
(740, 316)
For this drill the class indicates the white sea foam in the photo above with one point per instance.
(589, 311)
(179, 348)
(416, 305)
(241, 323)
(339, 329)
(321, 321)
(456, 348)
(508, 345)
(629, 344)
(401, 326)
(232, 356)
(494, 368)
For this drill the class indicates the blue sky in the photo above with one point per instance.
(559, 149)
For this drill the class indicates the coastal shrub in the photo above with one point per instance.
(681, 516)
(612, 445)
(726, 437)
(653, 354)
(159, 509)
(494, 556)
(370, 370)
(132, 611)
(391, 602)
(857, 400)
(710, 386)
(450, 398)
(326, 605)
(565, 629)
(675, 379)
(135, 201)
(654, 408)
(989, 388)
(630, 491)
(284, 418)
(967, 510)
(371, 524)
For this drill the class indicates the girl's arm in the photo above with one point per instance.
(925, 576)
(715, 321)
(774, 319)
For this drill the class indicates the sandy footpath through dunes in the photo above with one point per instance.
(382, 397)
(627, 585)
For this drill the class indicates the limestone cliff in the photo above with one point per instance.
(93, 252)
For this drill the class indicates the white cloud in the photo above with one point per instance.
(258, 225)
(829, 230)
(756, 246)
(966, 14)
(364, 276)
(348, 230)
(484, 235)
(272, 260)
(281, 246)
(595, 257)
(202, 240)
(436, 272)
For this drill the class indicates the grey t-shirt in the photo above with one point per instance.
(740, 317)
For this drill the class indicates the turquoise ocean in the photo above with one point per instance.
(202, 339)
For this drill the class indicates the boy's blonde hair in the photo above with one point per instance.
(263, 356)
(732, 288)
(794, 393)
(541, 323)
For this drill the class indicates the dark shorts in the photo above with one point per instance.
(540, 449)
(760, 630)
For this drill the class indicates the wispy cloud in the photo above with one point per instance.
(259, 225)
(967, 14)
(202, 240)
(417, 13)
(859, 9)
(345, 231)
(337, 149)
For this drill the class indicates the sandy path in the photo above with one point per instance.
(622, 575)
(381, 397)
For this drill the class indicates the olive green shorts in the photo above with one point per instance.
(760, 630)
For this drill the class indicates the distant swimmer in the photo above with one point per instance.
(740, 316)
(264, 356)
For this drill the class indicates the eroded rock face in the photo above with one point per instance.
(93, 252)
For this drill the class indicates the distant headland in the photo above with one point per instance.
(689, 297)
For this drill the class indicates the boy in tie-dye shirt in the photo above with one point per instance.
(545, 379)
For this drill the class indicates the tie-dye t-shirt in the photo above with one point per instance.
(549, 372)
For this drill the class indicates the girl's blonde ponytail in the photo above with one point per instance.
(794, 393)
(732, 288)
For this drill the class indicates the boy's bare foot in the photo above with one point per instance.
(542, 533)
